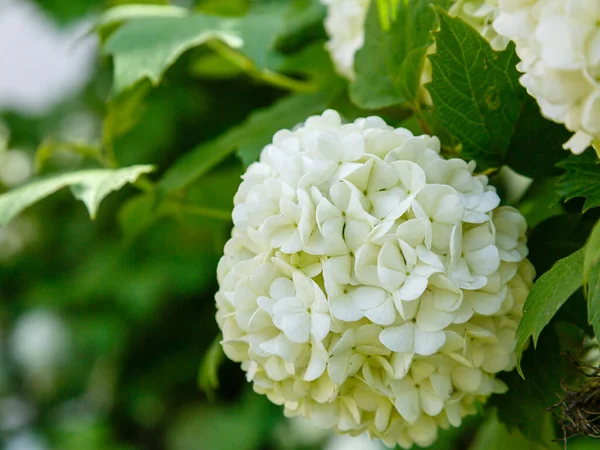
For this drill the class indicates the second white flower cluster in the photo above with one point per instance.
(558, 42)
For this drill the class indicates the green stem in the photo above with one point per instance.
(279, 80)
(200, 211)
(266, 75)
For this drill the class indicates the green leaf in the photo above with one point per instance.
(475, 91)
(593, 297)
(591, 277)
(592, 254)
(249, 138)
(147, 47)
(208, 374)
(89, 186)
(525, 404)
(388, 67)
(536, 145)
(582, 179)
(123, 13)
(548, 294)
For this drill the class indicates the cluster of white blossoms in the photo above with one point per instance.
(345, 25)
(558, 42)
(371, 285)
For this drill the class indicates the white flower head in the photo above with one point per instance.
(345, 25)
(370, 285)
(558, 42)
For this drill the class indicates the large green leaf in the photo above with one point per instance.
(147, 47)
(593, 296)
(388, 67)
(591, 277)
(89, 186)
(582, 179)
(592, 254)
(475, 91)
(548, 294)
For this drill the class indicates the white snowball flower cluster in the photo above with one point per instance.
(370, 285)
(558, 42)
(345, 25)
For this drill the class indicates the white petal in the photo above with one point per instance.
(291, 317)
(320, 323)
(466, 379)
(424, 432)
(282, 287)
(427, 343)
(338, 365)
(484, 261)
(281, 346)
(318, 360)
(399, 339)
(367, 297)
(384, 314)
(432, 405)
(413, 287)
(431, 319)
(408, 404)
(401, 363)
(344, 309)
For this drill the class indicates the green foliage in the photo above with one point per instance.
(122, 13)
(89, 186)
(197, 91)
(593, 295)
(548, 294)
(147, 47)
(591, 277)
(592, 254)
(581, 179)
(494, 435)
(388, 66)
(241, 427)
(475, 91)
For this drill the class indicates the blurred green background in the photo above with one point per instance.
(104, 325)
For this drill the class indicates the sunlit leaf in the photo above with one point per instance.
(147, 47)
(548, 294)
(89, 186)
